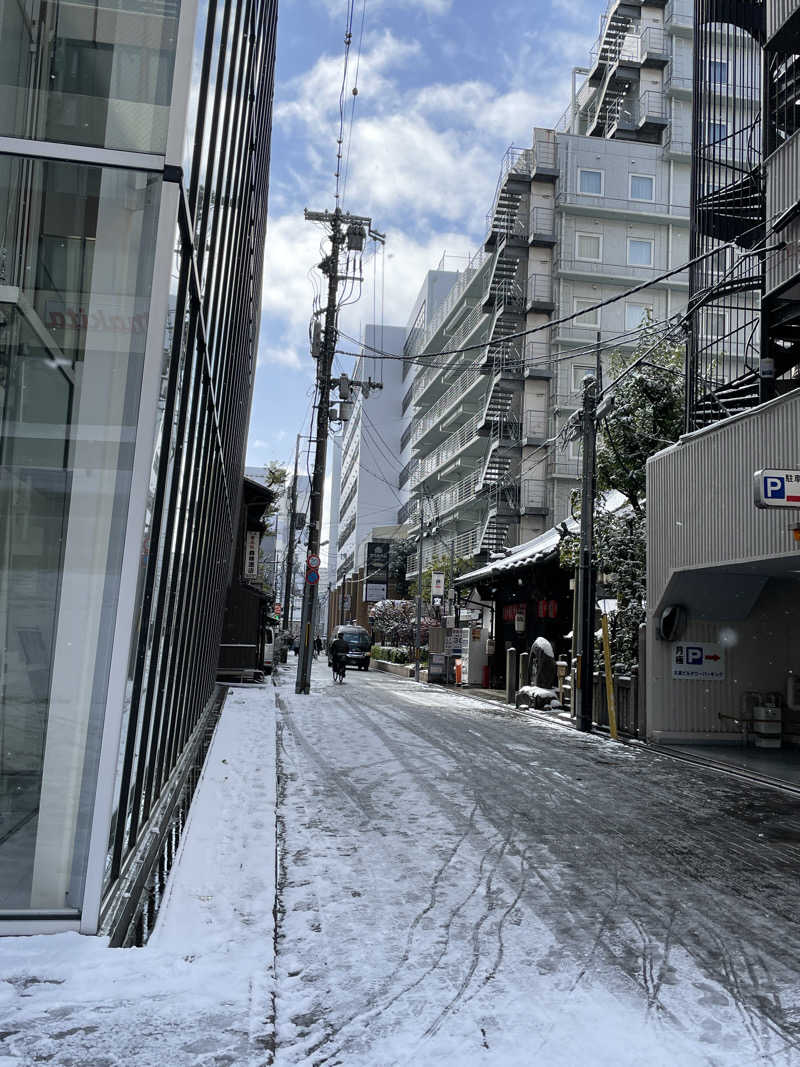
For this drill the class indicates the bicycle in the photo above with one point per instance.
(339, 670)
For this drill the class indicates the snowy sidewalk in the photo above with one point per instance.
(200, 991)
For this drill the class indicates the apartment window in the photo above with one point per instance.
(718, 72)
(589, 246)
(578, 374)
(588, 318)
(637, 314)
(717, 132)
(640, 252)
(642, 187)
(590, 182)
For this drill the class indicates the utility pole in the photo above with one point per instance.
(346, 231)
(419, 585)
(289, 588)
(587, 575)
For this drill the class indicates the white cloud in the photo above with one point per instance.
(423, 164)
(283, 356)
(432, 7)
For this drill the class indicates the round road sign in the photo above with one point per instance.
(313, 563)
(312, 577)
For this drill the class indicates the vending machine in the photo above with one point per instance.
(473, 654)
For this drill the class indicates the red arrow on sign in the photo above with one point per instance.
(712, 657)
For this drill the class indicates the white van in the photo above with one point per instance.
(269, 650)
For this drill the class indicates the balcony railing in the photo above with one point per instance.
(545, 153)
(632, 114)
(540, 289)
(465, 278)
(680, 14)
(348, 500)
(405, 473)
(425, 378)
(570, 265)
(537, 357)
(449, 448)
(351, 525)
(542, 221)
(452, 396)
(620, 203)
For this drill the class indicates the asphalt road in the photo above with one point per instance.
(460, 883)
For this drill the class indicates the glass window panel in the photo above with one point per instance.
(588, 246)
(73, 326)
(642, 187)
(640, 252)
(578, 374)
(718, 72)
(86, 74)
(637, 314)
(591, 182)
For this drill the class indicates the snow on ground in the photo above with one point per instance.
(200, 991)
(461, 886)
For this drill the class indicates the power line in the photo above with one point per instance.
(584, 311)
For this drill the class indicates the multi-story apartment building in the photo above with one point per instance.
(371, 448)
(592, 209)
(134, 156)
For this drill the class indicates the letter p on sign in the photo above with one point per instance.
(774, 487)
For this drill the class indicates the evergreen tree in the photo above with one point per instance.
(647, 416)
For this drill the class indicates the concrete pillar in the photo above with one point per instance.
(511, 675)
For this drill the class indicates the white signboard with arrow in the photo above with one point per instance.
(698, 662)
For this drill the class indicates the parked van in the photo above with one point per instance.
(269, 650)
(359, 645)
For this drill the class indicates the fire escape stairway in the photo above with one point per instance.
(743, 393)
(734, 212)
(504, 433)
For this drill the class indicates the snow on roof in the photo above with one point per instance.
(540, 548)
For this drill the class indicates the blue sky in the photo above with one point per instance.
(445, 86)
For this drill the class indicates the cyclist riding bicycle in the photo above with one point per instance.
(338, 650)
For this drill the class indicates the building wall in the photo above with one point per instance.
(122, 457)
(369, 494)
(734, 564)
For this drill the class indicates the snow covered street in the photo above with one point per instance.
(466, 884)
(459, 883)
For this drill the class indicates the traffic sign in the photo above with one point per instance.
(312, 577)
(777, 488)
(313, 563)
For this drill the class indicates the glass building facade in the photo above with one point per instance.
(134, 156)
